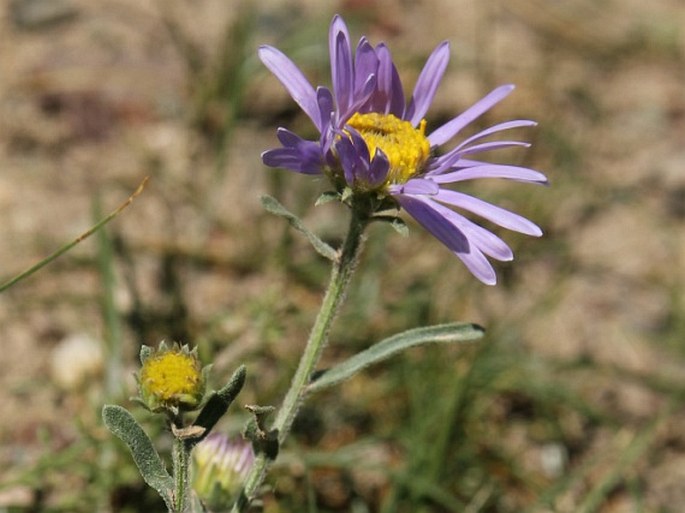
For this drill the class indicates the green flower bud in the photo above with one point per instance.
(171, 379)
(220, 467)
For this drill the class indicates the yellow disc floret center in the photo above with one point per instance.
(407, 148)
(169, 375)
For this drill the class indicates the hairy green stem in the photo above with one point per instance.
(181, 458)
(341, 273)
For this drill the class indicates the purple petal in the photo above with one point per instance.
(479, 266)
(389, 98)
(427, 83)
(307, 163)
(415, 186)
(349, 159)
(484, 240)
(370, 172)
(454, 158)
(427, 216)
(489, 146)
(445, 161)
(293, 80)
(343, 72)
(358, 167)
(360, 98)
(378, 169)
(337, 25)
(324, 99)
(521, 174)
(507, 125)
(493, 213)
(288, 138)
(440, 165)
(460, 163)
(341, 59)
(359, 144)
(426, 213)
(365, 64)
(451, 128)
(297, 154)
(282, 157)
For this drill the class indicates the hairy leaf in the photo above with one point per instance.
(442, 333)
(121, 423)
(218, 404)
(273, 206)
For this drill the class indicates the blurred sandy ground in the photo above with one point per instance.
(94, 96)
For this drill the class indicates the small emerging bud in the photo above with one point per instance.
(171, 379)
(220, 466)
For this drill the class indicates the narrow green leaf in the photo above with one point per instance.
(272, 205)
(397, 224)
(346, 194)
(326, 197)
(442, 333)
(400, 227)
(122, 424)
(218, 403)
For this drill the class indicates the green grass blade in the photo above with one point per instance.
(112, 322)
(28, 272)
(634, 449)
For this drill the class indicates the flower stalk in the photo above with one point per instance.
(181, 462)
(340, 278)
(341, 273)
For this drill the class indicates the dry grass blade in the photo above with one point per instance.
(28, 272)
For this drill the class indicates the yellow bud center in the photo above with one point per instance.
(407, 148)
(171, 374)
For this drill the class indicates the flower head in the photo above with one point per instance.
(171, 379)
(372, 142)
(220, 466)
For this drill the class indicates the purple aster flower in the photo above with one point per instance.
(373, 142)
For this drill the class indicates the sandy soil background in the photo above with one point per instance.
(94, 96)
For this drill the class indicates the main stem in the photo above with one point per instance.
(181, 457)
(341, 273)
